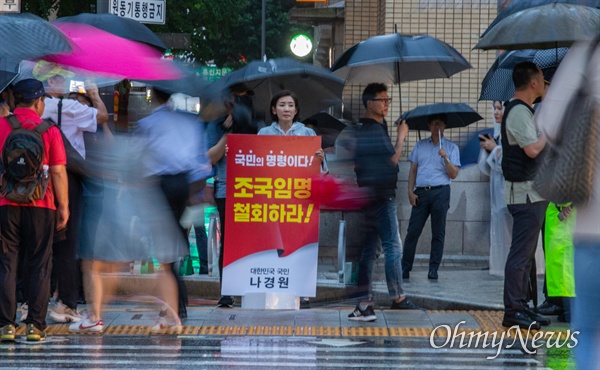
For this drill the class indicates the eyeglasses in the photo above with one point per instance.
(546, 82)
(383, 100)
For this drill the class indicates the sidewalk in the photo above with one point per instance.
(462, 285)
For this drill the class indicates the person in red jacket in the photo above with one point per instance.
(29, 228)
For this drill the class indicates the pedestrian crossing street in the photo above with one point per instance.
(174, 352)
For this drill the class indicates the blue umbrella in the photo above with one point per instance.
(497, 83)
(543, 27)
(9, 70)
(517, 6)
(457, 115)
(469, 153)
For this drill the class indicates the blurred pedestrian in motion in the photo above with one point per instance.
(27, 227)
(73, 118)
(285, 115)
(490, 164)
(521, 149)
(434, 163)
(237, 119)
(376, 167)
(579, 73)
(174, 154)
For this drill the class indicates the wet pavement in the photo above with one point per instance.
(249, 352)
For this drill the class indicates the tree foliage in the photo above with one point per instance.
(225, 32)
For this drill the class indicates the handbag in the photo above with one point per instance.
(567, 171)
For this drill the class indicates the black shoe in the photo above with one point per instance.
(363, 315)
(543, 320)
(521, 320)
(404, 304)
(203, 270)
(550, 309)
(226, 301)
(405, 274)
(304, 304)
(433, 275)
(564, 317)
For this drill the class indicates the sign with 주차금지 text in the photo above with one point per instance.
(143, 11)
(272, 224)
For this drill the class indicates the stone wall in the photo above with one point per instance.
(459, 23)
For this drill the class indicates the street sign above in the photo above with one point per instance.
(10, 6)
(143, 11)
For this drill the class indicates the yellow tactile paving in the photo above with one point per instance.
(489, 321)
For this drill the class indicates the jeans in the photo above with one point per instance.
(585, 315)
(434, 202)
(381, 220)
(527, 223)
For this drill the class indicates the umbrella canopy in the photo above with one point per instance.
(9, 70)
(126, 28)
(27, 36)
(498, 84)
(317, 88)
(543, 27)
(517, 6)
(190, 83)
(102, 52)
(326, 126)
(458, 115)
(469, 154)
(399, 58)
(26, 70)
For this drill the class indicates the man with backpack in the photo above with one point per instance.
(33, 205)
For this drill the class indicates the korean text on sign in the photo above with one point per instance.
(144, 11)
(273, 160)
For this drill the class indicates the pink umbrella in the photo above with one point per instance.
(102, 52)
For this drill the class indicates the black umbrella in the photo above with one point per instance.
(497, 83)
(457, 115)
(317, 88)
(517, 6)
(326, 126)
(543, 27)
(399, 58)
(9, 70)
(26, 36)
(123, 27)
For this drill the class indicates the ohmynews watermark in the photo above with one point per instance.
(496, 340)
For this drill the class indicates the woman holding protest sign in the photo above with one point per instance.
(285, 113)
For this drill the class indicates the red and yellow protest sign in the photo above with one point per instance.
(272, 223)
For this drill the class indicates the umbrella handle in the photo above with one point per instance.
(440, 138)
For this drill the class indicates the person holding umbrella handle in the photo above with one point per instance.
(434, 163)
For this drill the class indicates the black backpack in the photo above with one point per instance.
(24, 178)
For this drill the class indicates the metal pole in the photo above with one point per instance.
(263, 31)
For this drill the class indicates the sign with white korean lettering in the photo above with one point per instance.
(143, 11)
(10, 6)
(272, 233)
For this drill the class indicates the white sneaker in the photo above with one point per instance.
(62, 313)
(164, 327)
(24, 309)
(86, 326)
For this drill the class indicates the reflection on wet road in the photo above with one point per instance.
(171, 352)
